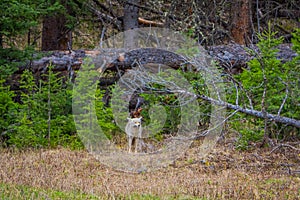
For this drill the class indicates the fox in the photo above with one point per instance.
(134, 130)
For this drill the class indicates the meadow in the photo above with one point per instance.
(225, 173)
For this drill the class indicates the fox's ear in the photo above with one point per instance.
(128, 119)
(140, 117)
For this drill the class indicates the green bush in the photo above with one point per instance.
(43, 117)
(105, 116)
(169, 104)
(280, 81)
(8, 110)
(172, 109)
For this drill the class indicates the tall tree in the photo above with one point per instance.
(241, 26)
(58, 26)
(17, 17)
(130, 21)
(55, 34)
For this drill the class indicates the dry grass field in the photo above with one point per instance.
(225, 174)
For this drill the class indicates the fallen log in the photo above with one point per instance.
(252, 112)
(231, 57)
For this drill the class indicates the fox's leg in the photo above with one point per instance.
(129, 143)
(137, 144)
(139, 141)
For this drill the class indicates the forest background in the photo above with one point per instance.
(36, 105)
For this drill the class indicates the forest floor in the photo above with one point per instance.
(226, 173)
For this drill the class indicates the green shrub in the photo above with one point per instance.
(280, 81)
(105, 116)
(44, 115)
(171, 107)
(8, 110)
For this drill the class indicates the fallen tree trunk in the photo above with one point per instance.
(231, 57)
(255, 113)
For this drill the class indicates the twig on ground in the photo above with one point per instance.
(284, 145)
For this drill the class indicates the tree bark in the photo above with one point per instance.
(241, 26)
(55, 35)
(230, 57)
(1, 41)
(130, 21)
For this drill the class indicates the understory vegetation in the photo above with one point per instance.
(39, 113)
(270, 86)
(224, 126)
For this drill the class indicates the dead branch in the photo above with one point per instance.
(103, 7)
(143, 79)
(231, 57)
(285, 97)
(284, 145)
(255, 113)
(150, 23)
(148, 8)
(104, 17)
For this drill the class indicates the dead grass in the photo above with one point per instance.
(224, 174)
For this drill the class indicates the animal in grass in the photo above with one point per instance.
(134, 130)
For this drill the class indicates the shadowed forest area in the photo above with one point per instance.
(235, 74)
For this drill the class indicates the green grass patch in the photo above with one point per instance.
(19, 192)
(153, 197)
(23, 192)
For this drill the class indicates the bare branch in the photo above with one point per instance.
(148, 8)
(102, 36)
(143, 79)
(259, 114)
(104, 17)
(284, 145)
(285, 98)
(204, 133)
(150, 23)
(103, 7)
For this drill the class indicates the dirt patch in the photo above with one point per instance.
(224, 173)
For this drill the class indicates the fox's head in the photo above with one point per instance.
(135, 122)
(136, 113)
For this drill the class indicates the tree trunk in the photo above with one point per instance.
(54, 34)
(234, 58)
(1, 41)
(241, 26)
(130, 21)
